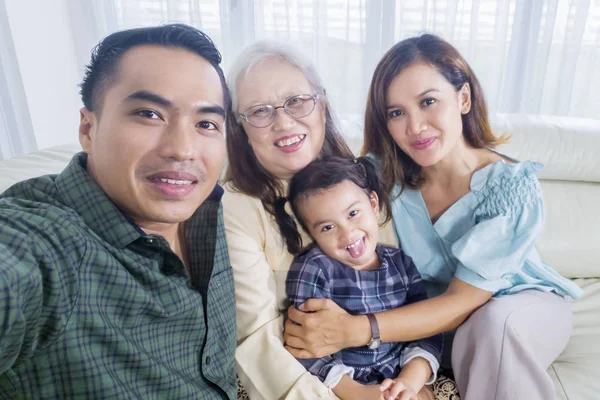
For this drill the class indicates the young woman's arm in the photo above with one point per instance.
(327, 328)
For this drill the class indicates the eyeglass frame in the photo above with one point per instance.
(315, 97)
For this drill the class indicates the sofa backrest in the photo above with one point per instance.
(50, 161)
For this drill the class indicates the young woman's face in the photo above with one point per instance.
(424, 113)
(343, 222)
(288, 144)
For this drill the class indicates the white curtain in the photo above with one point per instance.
(16, 130)
(532, 56)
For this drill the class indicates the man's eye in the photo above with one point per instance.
(208, 125)
(148, 114)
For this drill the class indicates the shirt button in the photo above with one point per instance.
(207, 361)
(150, 241)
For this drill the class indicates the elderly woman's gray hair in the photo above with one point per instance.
(260, 52)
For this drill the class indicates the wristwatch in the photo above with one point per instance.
(375, 341)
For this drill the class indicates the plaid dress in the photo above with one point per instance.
(395, 283)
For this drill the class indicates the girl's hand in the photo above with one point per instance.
(397, 390)
(321, 328)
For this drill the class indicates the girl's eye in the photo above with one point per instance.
(327, 228)
(428, 101)
(353, 213)
(394, 114)
(208, 125)
(148, 114)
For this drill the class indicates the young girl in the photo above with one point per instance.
(337, 201)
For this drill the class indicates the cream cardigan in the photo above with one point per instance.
(260, 264)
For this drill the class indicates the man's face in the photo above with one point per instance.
(157, 146)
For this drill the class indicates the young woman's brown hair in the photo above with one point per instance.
(396, 166)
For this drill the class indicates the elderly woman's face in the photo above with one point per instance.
(288, 144)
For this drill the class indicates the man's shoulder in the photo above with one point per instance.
(42, 189)
(34, 209)
(40, 244)
(33, 200)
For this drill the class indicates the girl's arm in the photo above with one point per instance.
(327, 328)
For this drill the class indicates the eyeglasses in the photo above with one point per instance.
(263, 115)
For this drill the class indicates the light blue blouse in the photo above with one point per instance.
(486, 239)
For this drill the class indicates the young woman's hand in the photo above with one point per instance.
(321, 328)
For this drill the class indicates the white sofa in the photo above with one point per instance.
(570, 150)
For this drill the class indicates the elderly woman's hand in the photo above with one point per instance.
(321, 328)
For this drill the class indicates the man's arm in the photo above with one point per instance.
(21, 296)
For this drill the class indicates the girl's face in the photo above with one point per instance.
(424, 113)
(288, 144)
(343, 222)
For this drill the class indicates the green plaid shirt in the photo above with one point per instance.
(92, 308)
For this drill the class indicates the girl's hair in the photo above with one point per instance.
(244, 171)
(320, 175)
(396, 166)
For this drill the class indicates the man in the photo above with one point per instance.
(114, 275)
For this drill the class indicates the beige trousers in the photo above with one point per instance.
(502, 351)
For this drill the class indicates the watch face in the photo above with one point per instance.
(374, 344)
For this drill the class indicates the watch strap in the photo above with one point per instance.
(374, 327)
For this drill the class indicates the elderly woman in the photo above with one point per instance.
(281, 121)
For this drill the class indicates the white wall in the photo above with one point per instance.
(41, 32)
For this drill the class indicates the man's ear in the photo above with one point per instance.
(464, 98)
(87, 128)
(374, 200)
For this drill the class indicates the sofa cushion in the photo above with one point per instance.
(577, 369)
(570, 241)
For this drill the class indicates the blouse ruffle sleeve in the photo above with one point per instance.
(508, 221)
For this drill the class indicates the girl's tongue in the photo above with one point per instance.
(357, 249)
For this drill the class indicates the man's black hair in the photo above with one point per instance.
(101, 71)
